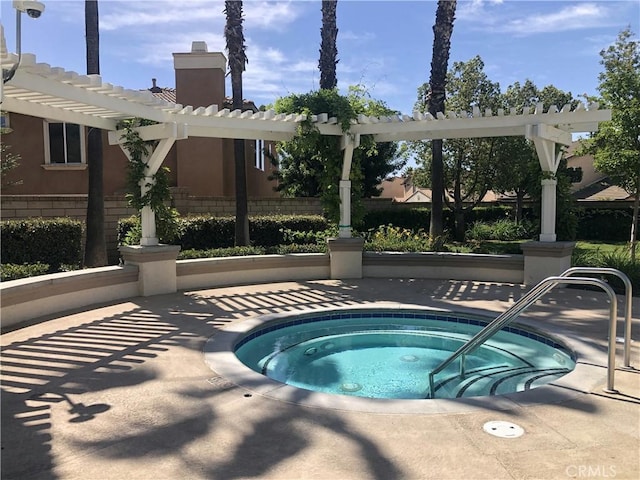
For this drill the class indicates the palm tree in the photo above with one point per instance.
(328, 49)
(95, 251)
(237, 61)
(445, 14)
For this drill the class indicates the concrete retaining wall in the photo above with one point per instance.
(446, 266)
(214, 272)
(28, 299)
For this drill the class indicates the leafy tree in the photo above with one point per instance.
(442, 30)
(95, 252)
(468, 164)
(328, 49)
(8, 161)
(616, 146)
(237, 61)
(517, 165)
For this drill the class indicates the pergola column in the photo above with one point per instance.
(348, 143)
(147, 216)
(167, 134)
(345, 252)
(545, 139)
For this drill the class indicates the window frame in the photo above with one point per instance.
(48, 164)
(260, 159)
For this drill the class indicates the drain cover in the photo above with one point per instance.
(350, 387)
(502, 429)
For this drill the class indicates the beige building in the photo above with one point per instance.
(53, 156)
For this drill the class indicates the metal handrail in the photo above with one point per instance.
(628, 297)
(531, 297)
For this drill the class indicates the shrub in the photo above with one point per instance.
(220, 252)
(620, 259)
(294, 248)
(269, 231)
(612, 224)
(55, 242)
(11, 271)
(207, 232)
(419, 218)
(479, 231)
(317, 237)
(394, 239)
(505, 230)
(409, 218)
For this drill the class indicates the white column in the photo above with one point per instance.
(347, 143)
(147, 217)
(548, 210)
(545, 139)
(344, 228)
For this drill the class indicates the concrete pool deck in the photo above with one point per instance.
(122, 391)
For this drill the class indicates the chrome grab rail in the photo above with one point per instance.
(628, 297)
(516, 309)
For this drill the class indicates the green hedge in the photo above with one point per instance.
(55, 242)
(208, 232)
(419, 218)
(611, 224)
(11, 271)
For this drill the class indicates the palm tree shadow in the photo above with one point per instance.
(282, 436)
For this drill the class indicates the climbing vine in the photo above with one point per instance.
(158, 194)
(310, 164)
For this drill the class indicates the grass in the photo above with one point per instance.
(602, 247)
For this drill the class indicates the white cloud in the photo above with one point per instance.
(157, 51)
(134, 15)
(351, 36)
(179, 13)
(472, 9)
(500, 17)
(574, 17)
(270, 15)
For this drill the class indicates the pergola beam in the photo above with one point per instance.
(56, 94)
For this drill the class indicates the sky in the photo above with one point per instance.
(384, 46)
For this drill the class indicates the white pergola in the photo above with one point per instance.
(40, 90)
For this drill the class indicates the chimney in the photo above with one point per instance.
(155, 88)
(200, 76)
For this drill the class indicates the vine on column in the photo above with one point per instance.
(157, 195)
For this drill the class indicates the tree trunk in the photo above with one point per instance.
(460, 223)
(237, 62)
(445, 15)
(519, 205)
(436, 227)
(328, 47)
(634, 221)
(95, 250)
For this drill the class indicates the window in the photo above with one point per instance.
(64, 143)
(4, 121)
(260, 148)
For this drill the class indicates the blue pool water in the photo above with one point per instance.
(389, 353)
